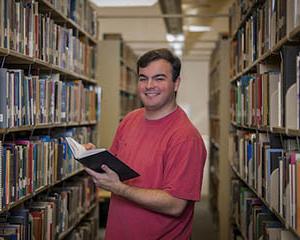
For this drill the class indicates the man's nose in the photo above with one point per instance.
(149, 83)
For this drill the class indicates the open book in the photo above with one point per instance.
(95, 158)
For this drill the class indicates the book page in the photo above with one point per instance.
(79, 151)
(76, 148)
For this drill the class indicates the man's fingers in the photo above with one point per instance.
(89, 146)
(106, 169)
(91, 172)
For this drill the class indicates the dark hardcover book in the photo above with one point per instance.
(95, 158)
(3, 98)
(289, 72)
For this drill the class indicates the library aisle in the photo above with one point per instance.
(68, 69)
(203, 224)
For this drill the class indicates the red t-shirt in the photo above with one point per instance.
(169, 154)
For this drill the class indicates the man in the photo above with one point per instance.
(162, 145)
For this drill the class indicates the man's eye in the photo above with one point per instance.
(142, 79)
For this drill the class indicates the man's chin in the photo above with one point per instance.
(151, 107)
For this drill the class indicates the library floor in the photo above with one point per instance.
(203, 226)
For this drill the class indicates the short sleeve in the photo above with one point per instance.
(183, 170)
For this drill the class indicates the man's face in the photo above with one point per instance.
(156, 88)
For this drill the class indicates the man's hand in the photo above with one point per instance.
(89, 146)
(109, 180)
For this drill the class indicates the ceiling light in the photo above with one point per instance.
(170, 37)
(196, 28)
(178, 52)
(175, 37)
(192, 11)
(176, 45)
(180, 37)
(124, 3)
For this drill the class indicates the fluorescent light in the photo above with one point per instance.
(176, 45)
(175, 37)
(170, 37)
(180, 37)
(196, 28)
(178, 52)
(124, 3)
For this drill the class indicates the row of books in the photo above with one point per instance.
(238, 12)
(262, 30)
(128, 79)
(270, 165)
(128, 55)
(30, 164)
(87, 229)
(258, 35)
(44, 99)
(254, 100)
(26, 31)
(80, 11)
(271, 97)
(128, 102)
(51, 214)
(253, 218)
(213, 104)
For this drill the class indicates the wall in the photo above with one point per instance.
(193, 98)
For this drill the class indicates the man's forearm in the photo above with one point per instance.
(152, 199)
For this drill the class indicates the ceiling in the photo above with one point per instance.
(145, 28)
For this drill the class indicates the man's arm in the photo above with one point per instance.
(152, 199)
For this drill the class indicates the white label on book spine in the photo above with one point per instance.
(1, 117)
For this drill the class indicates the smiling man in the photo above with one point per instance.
(163, 146)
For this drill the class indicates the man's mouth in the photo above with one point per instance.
(151, 94)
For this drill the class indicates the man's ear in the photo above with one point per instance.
(177, 83)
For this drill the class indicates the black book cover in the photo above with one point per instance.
(95, 162)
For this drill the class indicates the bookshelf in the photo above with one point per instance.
(264, 113)
(48, 90)
(219, 123)
(117, 73)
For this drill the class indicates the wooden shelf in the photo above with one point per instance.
(12, 59)
(294, 34)
(278, 216)
(243, 21)
(219, 121)
(18, 58)
(274, 51)
(44, 126)
(38, 191)
(60, 18)
(272, 60)
(275, 130)
(80, 218)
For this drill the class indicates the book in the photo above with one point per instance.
(95, 158)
